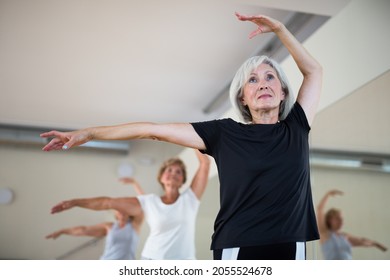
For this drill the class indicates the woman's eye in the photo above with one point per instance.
(269, 77)
(252, 80)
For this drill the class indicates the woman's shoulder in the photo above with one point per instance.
(147, 197)
(325, 235)
(297, 115)
(229, 122)
(213, 126)
(218, 121)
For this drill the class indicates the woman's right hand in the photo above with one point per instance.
(66, 140)
(62, 206)
(334, 193)
(54, 235)
(127, 180)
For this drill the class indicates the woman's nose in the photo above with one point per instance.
(262, 87)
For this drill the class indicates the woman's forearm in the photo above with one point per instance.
(306, 63)
(75, 231)
(177, 133)
(322, 203)
(97, 203)
(138, 130)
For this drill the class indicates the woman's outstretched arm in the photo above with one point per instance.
(99, 230)
(365, 242)
(177, 133)
(126, 205)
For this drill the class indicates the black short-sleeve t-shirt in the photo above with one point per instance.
(264, 174)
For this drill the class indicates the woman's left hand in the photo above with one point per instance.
(265, 24)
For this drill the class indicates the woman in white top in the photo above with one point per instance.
(171, 217)
(336, 244)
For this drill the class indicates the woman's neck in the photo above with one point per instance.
(171, 195)
(265, 117)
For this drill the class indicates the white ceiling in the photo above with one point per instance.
(71, 64)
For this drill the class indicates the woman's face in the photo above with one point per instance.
(263, 90)
(336, 222)
(121, 218)
(173, 176)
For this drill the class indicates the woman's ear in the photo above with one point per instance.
(283, 96)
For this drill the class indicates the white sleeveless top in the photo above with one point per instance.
(172, 226)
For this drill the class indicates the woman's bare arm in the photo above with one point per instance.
(177, 133)
(365, 242)
(321, 211)
(137, 187)
(126, 205)
(99, 230)
(201, 177)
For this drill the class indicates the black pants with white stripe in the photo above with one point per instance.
(280, 251)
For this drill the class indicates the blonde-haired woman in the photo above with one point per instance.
(336, 244)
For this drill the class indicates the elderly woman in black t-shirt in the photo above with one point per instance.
(263, 165)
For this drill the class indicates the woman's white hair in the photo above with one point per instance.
(242, 76)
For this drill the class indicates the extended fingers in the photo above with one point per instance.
(52, 133)
(250, 18)
(258, 20)
(240, 16)
(58, 141)
(337, 192)
(126, 180)
(50, 236)
(54, 144)
(60, 207)
(245, 17)
(256, 32)
(56, 209)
